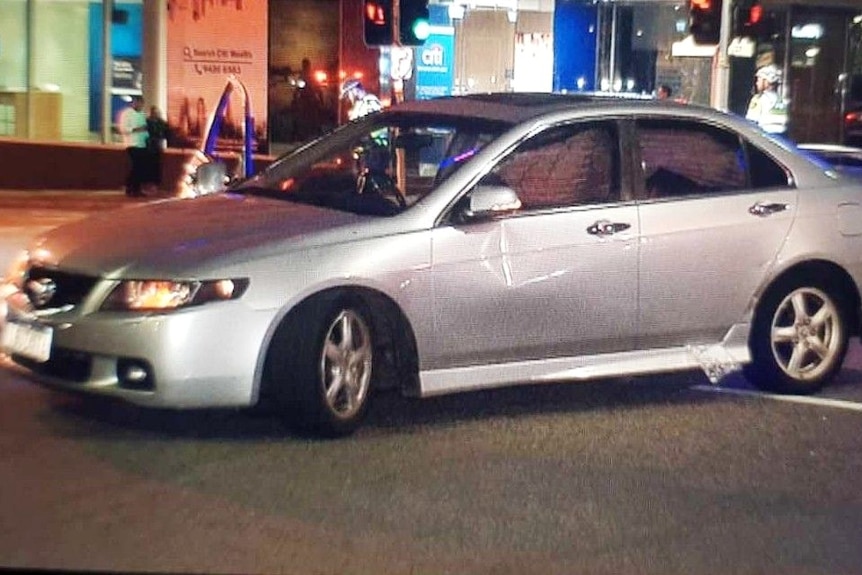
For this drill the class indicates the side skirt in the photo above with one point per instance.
(716, 360)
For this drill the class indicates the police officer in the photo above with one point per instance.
(361, 102)
(766, 106)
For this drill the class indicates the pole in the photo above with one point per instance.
(721, 86)
(107, 71)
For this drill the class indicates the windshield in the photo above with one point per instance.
(380, 165)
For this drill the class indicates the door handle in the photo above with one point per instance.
(607, 228)
(762, 210)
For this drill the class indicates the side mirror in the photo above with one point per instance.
(488, 201)
(210, 178)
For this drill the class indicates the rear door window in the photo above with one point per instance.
(687, 158)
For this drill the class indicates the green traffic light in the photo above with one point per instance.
(421, 29)
(413, 22)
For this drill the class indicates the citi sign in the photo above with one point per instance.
(432, 57)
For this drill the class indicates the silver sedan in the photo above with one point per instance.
(457, 244)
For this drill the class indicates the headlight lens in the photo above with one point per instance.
(164, 295)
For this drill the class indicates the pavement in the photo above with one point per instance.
(26, 213)
(24, 208)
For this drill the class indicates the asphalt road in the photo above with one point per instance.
(657, 475)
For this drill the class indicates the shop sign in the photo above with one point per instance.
(742, 47)
(206, 48)
(126, 73)
(434, 61)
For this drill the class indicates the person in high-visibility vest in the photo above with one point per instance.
(767, 108)
(361, 102)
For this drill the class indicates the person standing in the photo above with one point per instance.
(157, 137)
(361, 102)
(307, 105)
(133, 127)
(663, 92)
(766, 107)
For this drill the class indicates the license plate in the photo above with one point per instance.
(26, 339)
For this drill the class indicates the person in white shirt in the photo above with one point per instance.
(133, 128)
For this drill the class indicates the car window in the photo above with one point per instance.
(379, 167)
(563, 166)
(683, 158)
(765, 172)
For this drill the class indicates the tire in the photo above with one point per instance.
(320, 368)
(799, 337)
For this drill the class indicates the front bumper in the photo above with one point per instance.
(198, 357)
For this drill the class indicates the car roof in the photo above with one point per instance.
(515, 107)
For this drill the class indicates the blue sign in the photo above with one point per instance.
(435, 59)
(575, 46)
(434, 73)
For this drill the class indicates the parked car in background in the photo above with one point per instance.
(846, 159)
(853, 127)
(457, 244)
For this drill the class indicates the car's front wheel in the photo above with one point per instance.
(320, 368)
(799, 337)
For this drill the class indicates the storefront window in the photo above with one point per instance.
(58, 83)
(636, 51)
(13, 68)
(850, 87)
(814, 64)
(51, 66)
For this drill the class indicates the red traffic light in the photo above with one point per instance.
(377, 22)
(751, 20)
(755, 14)
(375, 14)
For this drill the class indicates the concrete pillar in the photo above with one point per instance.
(154, 55)
(107, 71)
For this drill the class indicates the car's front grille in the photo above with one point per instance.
(49, 288)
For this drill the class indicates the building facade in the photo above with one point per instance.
(294, 54)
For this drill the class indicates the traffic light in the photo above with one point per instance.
(749, 19)
(377, 18)
(704, 22)
(413, 26)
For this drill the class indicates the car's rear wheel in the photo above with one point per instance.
(799, 337)
(320, 368)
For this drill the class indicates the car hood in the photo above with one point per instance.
(190, 237)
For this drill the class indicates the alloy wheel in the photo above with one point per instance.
(345, 364)
(806, 334)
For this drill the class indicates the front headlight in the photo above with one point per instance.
(164, 295)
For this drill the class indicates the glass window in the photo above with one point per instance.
(51, 66)
(13, 68)
(681, 158)
(380, 165)
(564, 166)
(765, 172)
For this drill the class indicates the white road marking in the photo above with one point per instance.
(805, 399)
